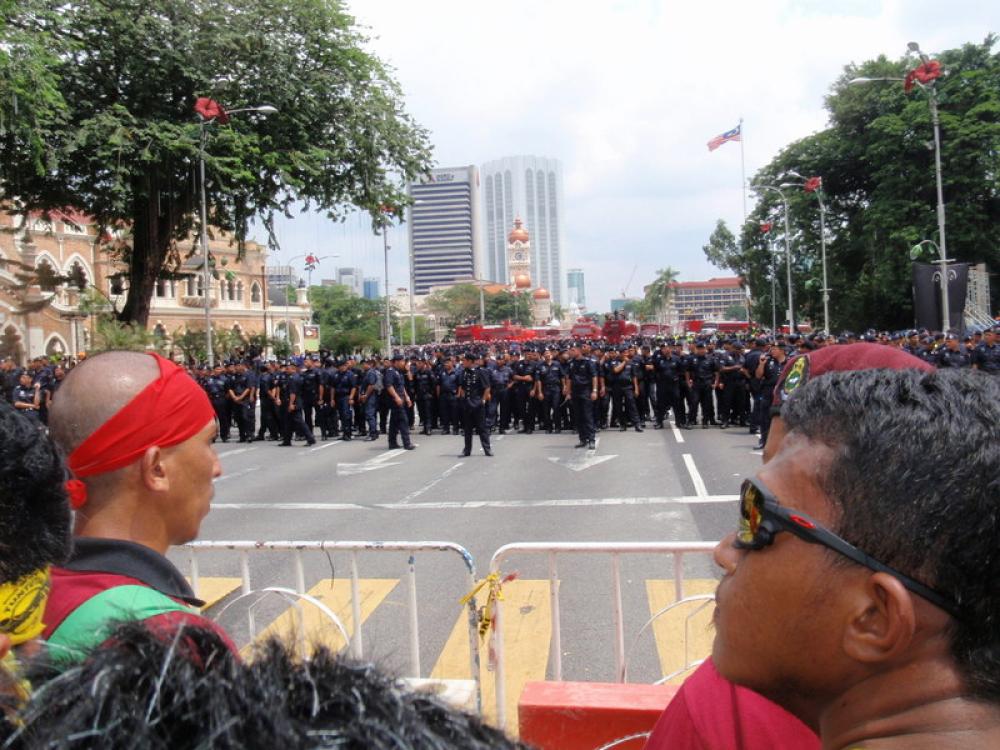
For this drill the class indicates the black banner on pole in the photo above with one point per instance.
(927, 295)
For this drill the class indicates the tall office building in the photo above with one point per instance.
(574, 285)
(529, 188)
(445, 240)
(371, 288)
(351, 278)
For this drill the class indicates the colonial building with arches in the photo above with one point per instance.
(62, 256)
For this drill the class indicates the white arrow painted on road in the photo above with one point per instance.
(372, 464)
(580, 461)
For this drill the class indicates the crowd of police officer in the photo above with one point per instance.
(555, 386)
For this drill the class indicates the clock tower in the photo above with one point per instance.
(519, 257)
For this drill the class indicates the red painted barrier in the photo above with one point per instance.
(587, 715)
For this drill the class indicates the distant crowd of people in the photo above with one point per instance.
(575, 386)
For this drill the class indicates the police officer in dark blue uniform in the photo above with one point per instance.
(551, 384)
(473, 393)
(953, 354)
(768, 371)
(345, 391)
(667, 369)
(269, 423)
(987, 354)
(27, 398)
(424, 386)
(448, 382)
(582, 376)
(498, 409)
(371, 392)
(239, 392)
(216, 388)
(310, 390)
(290, 406)
(703, 380)
(399, 402)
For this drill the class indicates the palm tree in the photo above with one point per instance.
(660, 293)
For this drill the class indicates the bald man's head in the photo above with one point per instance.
(96, 390)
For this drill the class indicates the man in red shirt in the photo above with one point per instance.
(138, 433)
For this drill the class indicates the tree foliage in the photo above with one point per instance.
(460, 303)
(348, 323)
(660, 293)
(111, 88)
(877, 163)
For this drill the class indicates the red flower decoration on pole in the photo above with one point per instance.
(923, 74)
(765, 226)
(209, 109)
(813, 184)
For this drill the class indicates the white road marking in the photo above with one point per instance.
(580, 461)
(447, 473)
(479, 504)
(756, 453)
(372, 464)
(235, 452)
(326, 445)
(699, 483)
(235, 474)
(677, 433)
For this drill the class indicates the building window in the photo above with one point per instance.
(161, 288)
(255, 293)
(239, 291)
(78, 275)
(40, 225)
(230, 288)
(71, 227)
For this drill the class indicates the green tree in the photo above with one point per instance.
(460, 303)
(660, 293)
(123, 142)
(879, 187)
(348, 323)
(735, 312)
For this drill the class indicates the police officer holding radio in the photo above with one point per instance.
(345, 391)
(473, 393)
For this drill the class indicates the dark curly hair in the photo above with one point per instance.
(916, 478)
(162, 690)
(34, 511)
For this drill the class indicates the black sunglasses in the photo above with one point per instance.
(762, 517)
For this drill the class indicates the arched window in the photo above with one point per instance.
(230, 287)
(161, 288)
(239, 291)
(160, 331)
(10, 343)
(255, 293)
(55, 347)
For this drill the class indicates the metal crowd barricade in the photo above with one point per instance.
(356, 644)
(677, 550)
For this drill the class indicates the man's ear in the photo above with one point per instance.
(153, 470)
(882, 621)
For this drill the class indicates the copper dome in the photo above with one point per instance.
(541, 293)
(522, 281)
(518, 233)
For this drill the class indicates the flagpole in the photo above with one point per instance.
(743, 172)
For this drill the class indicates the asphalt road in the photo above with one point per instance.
(662, 485)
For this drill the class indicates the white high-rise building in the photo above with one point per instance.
(529, 188)
(445, 238)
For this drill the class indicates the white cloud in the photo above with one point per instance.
(627, 94)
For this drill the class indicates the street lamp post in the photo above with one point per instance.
(788, 254)
(932, 102)
(265, 109)
(388, 317)
(817, 189)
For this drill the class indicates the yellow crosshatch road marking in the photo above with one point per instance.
(213, 590)
(669, 628)
(335, 594)
(527, 627)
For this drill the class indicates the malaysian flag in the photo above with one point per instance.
(729, 135)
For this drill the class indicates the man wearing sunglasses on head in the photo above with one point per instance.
(860, 588)
(709, 712)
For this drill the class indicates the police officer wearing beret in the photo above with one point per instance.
(473, 393)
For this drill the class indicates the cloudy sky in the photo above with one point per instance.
(626, 94)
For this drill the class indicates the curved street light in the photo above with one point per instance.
(788, 252)
(264, 109)
(931, 90)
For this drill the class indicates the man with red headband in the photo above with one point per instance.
(138, 432)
